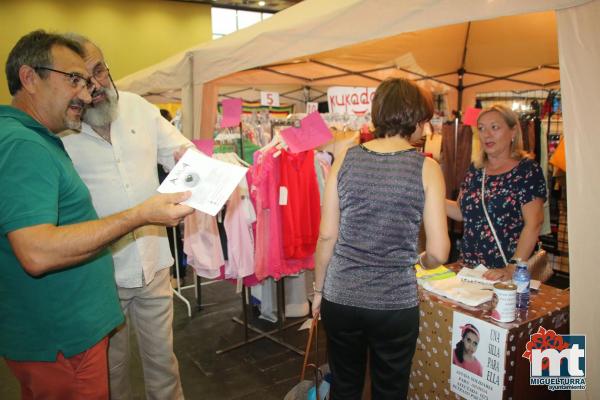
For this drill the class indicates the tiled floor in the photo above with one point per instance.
(262, 370)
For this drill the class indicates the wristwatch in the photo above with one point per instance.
(515, 261)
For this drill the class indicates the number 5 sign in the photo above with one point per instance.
(270, 99)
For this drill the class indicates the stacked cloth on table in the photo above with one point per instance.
(434, 274)
(469, 293)
(468, 286)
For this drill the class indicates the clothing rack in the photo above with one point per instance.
(228, 139)
(197, 285)
(177, 291)
(284, 122)
(275, 335)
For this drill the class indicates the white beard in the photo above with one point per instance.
(102, 114)
(73, 124)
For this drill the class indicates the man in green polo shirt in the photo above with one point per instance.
(58, 296)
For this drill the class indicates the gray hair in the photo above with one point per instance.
(76, 37)
(35, 50)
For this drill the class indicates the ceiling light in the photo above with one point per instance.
(262, 3)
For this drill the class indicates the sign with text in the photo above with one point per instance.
(311, 107)
(556, 361)
(350, 100)
(478, 355)
(270, 99)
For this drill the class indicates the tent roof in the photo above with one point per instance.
(364, 34)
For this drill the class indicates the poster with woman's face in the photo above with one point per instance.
(477, 358)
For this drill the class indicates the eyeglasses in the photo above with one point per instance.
(101, 72)
(75, 79)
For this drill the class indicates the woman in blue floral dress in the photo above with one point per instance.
(515, 191)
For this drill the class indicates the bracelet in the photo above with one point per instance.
(319, 291)
(420, 259)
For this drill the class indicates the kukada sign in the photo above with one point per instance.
(350, 100)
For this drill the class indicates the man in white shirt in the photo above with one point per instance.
(122, 139)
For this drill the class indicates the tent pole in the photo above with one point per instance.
(460, 88)
(461, 73)
(456, 120)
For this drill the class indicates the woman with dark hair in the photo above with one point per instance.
(464, 352)
(376, 196)
(513, 188)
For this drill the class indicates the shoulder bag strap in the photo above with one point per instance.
(488, 218)
(311, 333)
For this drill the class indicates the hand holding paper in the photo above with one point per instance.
(210, 181)
(165, 209)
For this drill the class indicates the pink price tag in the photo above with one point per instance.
(470, 117)
(205, 146)
(232, 110)
(312, 133)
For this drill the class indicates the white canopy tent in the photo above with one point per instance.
(312, 42)
(300, 45)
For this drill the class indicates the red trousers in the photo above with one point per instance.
(83, 376)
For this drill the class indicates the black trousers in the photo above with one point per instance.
(390, 338)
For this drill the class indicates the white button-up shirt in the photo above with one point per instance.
(122, 175)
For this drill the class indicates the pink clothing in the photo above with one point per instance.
(240, 242)
(269, 258)
(202, 245)
(473, 366)
(265, 192)
(250, 280)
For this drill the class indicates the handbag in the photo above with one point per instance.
(538, 265)
(318, 387)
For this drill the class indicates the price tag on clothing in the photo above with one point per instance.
(238, 287)
(283, 196)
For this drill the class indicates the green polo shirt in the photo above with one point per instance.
(64, 311)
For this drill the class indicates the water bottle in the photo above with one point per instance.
(521, 278)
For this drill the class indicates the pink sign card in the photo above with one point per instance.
(312, 133)
(205, 146)
(470, 117)
(232, 111)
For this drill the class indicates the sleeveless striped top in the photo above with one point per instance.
(381, 208)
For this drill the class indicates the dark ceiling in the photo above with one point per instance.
(250, 5)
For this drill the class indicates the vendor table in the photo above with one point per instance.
(430, 374)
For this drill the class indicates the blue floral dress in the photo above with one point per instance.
(505, 194)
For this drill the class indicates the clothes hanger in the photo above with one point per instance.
(238, 159)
